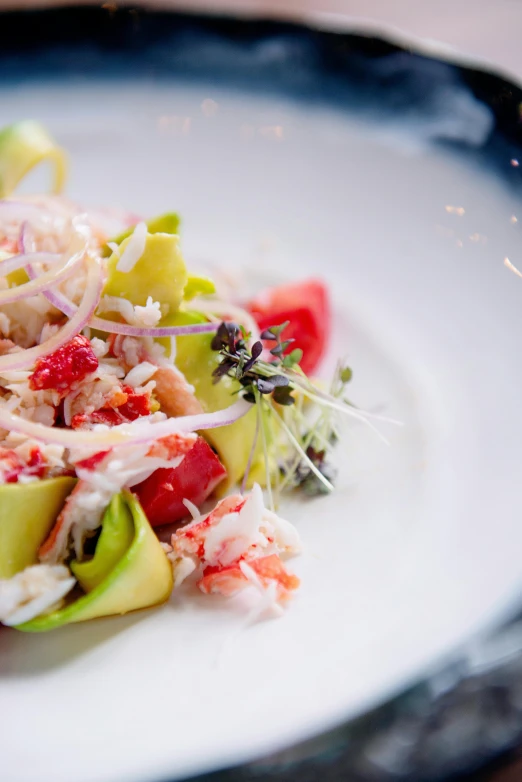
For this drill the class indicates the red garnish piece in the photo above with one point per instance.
(12, 465)
(307, 306)
(162, 494)
(67, 366)
(92, 461)
(132, 406)
(36, 463)
(135, 406)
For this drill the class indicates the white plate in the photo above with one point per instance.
(420, 547)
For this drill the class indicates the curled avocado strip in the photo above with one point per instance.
(165, 224)
(27, 514)
(198, 286)
(115, 540)
(196, 359)
(129, 570)
(24, 145)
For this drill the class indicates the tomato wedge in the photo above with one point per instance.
(307, 306)
(161, 495)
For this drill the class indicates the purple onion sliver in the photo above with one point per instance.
(43, 282)
(19, 210)
(123, 434)
(19, 261)
(57, 299)
(66, 306)
(26, 358)
(22, 239)
(156, 331)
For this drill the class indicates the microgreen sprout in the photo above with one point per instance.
(306, 415)
(245, 364)
(311, 469)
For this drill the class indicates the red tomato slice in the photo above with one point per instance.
(162, 494)
(307, 306)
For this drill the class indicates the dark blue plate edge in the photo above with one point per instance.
(300, 62)
(407, 737)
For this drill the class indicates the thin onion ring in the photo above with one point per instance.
(24, 259)
(52, 277)
(157, 331)
(18, 211)
(66, 306)
(139, 431)
(26, 358)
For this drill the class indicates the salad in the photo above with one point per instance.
(143, 410)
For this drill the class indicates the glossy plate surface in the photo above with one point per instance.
(419, 549)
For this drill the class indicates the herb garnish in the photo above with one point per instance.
(304, 463)
(245, 364)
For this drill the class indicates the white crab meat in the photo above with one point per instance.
(34, 591)
(235, 546)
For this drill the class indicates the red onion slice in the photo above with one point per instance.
(55, 298)
(52, 277)
(23, 238)
(157, 331)
(91, 298)
(66, 306)
(19, 211)
(139, 431)
(19, 261)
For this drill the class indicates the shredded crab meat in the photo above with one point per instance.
(32, 592)
(43, 224)
(134, 249)
(102, 391)
(238, 544)
(175, 396)
(100, 477)
(148, 316)
(140, 374)
(24, 461)
(105, 388)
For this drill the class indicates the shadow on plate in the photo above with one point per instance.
(59, 647)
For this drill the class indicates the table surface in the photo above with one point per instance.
(508, 769)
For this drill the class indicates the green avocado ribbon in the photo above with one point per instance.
(128, 571)
(22, 147)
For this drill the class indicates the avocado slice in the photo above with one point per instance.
(198, 286)
(196, 359)
(115, 539)
(165, 224)
(195, 285)
(19, 277)
(140, 579)
(160, 273)
(27, 514)
(24, 145)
